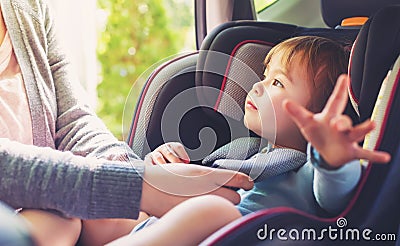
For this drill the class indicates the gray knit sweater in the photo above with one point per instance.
(67, 168)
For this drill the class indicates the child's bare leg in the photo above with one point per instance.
(188, 223)
(102, 231)
(51, 229)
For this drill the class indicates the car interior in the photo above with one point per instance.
(198, 98)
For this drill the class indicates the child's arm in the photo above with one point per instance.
(335, 140)
(344, 180)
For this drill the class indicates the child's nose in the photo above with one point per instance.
(258, 89)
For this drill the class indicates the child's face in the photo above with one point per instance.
(264, 113)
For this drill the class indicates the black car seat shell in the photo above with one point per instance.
(374, 49)
(166, 81)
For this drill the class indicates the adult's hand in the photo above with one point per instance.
(165, 186)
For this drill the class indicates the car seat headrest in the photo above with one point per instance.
(244, 68)
(334, 11)
(231, 60)
(376, 48)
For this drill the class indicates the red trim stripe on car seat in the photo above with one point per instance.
(229, 65)
(351, 92)
(152, 76)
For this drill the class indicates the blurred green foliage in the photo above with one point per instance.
(137, 34)
(261, 5)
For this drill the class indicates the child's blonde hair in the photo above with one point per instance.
(324, 59)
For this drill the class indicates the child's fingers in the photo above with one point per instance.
(358, 132)
(179, 151)
(299, 114)
(338, 100)
(373, 156)
(158, 158)
(342, 123)
(148, 160)
(169, 154)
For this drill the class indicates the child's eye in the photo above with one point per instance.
(277, 83)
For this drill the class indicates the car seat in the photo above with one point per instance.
(165, 82)
(373, 209)
(197, 99)
(231, 61)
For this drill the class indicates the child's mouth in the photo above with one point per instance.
(250, 105)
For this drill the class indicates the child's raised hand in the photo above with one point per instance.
(331, 133)
(172, 152)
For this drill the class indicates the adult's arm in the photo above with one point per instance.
(45, 178)
(89, 188)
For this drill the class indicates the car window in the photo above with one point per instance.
(134, 36)
(262, 5)
(298, 12)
